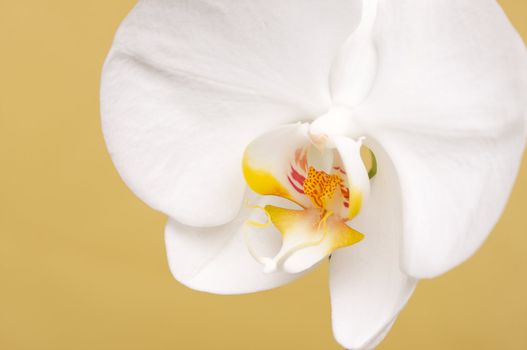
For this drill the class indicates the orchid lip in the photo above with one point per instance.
(276, 263)
(327, 180)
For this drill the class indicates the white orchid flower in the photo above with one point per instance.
(243, 121)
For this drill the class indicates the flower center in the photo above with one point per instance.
(327, 182)
(320, 187)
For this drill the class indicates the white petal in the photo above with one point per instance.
(188, 84)
(367, 287)
(449, 108)
(217, 259)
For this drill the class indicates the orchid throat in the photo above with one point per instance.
(322, 181)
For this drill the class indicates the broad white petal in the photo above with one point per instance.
(188, 84)
(449, 107)
(217, 259)
(368, 288)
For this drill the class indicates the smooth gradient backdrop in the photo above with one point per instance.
(82, 260)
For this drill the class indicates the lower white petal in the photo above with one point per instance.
(368, 289)
(217, 260)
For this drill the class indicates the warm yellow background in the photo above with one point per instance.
(82, 261)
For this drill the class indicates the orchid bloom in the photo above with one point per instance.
(249, 123)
